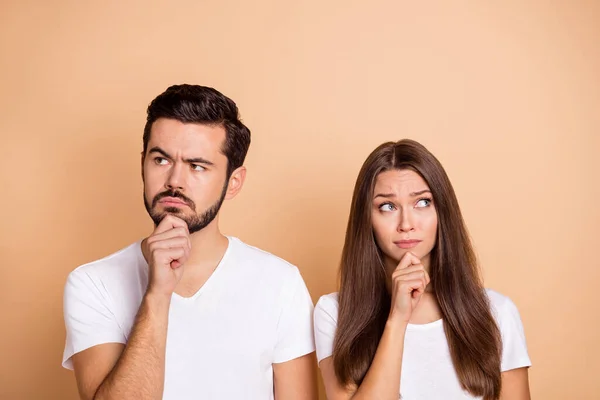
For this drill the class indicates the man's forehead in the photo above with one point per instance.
(187, 139)
(171, 128)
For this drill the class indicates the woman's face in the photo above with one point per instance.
(404, 216)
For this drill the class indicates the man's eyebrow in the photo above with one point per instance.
(157, 149)
(198, 160)
(195, 160)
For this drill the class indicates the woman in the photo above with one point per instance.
(411, 312)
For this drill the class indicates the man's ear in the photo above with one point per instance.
(236, 181)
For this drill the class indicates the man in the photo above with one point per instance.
(188, 313)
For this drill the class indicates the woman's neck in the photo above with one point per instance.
(427, 310)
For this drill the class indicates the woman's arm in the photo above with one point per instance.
(515, 385)
(382, 380)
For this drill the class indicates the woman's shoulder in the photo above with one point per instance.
(514, 344)
(502, 306)
(496, 298)
(325, 324)
(328, 300)
(328, 303)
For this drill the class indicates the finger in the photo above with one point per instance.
(171, 233)
(410, 269)
(180, 261)
(419, 276)
(424, 277)
(171, 243)
(418, 288)
(407, 260)
(166, 256)
(170, 222)
(411, 285)
(417, 293)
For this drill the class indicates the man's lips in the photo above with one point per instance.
(172, 201)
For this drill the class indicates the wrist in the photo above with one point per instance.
(157, 299)
(396, 322)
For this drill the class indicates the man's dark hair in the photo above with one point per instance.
(202, 105)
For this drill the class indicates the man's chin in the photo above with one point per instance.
(173, 211)
(157, 217)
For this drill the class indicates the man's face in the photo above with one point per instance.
(184, 172)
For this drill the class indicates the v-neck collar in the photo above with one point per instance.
(209, 281)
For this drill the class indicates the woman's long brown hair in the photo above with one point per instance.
(364, 301)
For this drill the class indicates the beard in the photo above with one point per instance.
(195, 222)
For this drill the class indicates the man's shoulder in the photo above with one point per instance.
(255, 259)
(264, 267)
(118, 264)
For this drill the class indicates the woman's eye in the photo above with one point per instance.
(386, 207)
(423, 202)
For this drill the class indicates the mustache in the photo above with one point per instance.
(175, 194)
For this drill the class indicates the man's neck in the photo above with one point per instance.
(208, 247)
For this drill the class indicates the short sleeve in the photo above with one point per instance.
(294, 329)
(88, 318)
(325, 321)
(514, 345)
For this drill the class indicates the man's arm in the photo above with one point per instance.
(134, 371)
(137, 370)
(92, 365)
(296, 379)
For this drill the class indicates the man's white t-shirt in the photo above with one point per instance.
(254, 310)
(427, 369)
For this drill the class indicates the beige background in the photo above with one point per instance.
(506, 94)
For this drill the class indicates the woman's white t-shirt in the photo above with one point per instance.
(427, 369)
